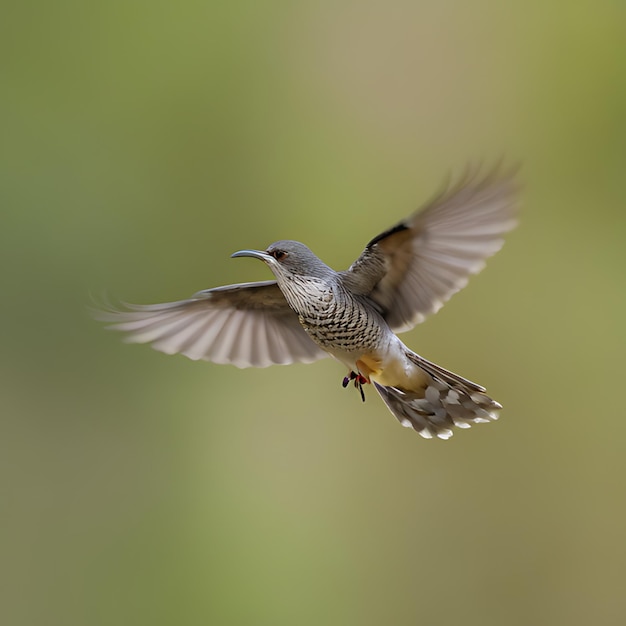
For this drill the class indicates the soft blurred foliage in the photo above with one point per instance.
(142, 143)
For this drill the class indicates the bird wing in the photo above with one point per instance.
(247, 325)
(412, 269)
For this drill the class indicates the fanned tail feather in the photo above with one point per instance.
(447, 400)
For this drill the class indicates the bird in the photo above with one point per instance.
(310, 311)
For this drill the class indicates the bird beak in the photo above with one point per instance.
(255, 254)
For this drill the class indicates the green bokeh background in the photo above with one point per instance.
(142, 143)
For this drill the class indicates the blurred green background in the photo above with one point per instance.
(143, 143)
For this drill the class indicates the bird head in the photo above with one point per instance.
(289, 258)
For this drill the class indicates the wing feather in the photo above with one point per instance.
(247, 325)
(413, 268)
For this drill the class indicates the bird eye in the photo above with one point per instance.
(279, 255)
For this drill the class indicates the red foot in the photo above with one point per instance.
(359, 381)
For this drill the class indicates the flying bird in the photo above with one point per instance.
(311, 311)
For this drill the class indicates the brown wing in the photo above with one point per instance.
(247, 325)
(412, 269)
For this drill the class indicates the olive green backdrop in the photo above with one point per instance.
(144, 142)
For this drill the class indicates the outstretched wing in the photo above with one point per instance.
(412, 269)
(247, 325)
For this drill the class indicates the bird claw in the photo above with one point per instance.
(359, 381)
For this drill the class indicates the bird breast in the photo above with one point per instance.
(334, 318)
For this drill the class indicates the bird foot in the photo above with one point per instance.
(359, 381)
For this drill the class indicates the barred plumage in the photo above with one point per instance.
(311, 311)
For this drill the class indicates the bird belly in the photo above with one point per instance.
(388, 366)
(393, 368)
(397, 371)
(358, 337)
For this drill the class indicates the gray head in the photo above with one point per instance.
(288, 257)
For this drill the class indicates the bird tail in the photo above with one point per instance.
(444, 401)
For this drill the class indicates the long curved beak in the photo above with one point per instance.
(255, 254)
